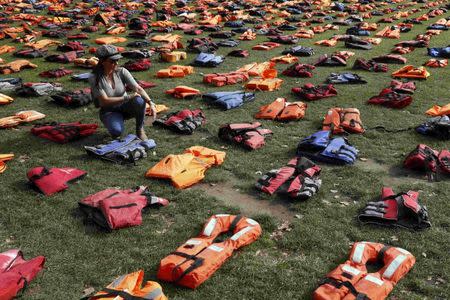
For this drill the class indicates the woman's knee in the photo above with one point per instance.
(138, 102)
(116, 129)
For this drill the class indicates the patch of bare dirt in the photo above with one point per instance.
(249, 204)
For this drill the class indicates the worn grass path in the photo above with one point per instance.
(282, 264)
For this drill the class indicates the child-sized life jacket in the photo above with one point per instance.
(126, 150)
(53, 180)
(351, 280)
(188, 168)
(16, 273)
(184, 121)
(282, 110)
(438, 127)
(299, 179)
(433, 162)
(401, 210)
(250, 135)
(199, 257)
(129, 286)
(63, 132)
(321, 146)
(340, 120)
(114, 208)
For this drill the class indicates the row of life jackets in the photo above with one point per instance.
(282, 110)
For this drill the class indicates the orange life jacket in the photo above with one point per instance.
(266, 46)
(188, 168)
(267, 82)
(249, 35)
(3, 159)
(42, 44)
(199, 257)
(168, 38)
(411, 72)
(20, 117)
(437, 110)
(436, 63)
(110, 40)
(284, 59)
(221, 79)
(282, 110)
(211, 21)
(5, 99)
(6, 49)
(115, 30)
(183, 91)
(341, 120)
(129, 286)
(163, 24)
(304, 34)
(86, 62)
(389, 33)
(328, 43)
(175, 71)
(16, 66)
(350, 280)
(173, 56)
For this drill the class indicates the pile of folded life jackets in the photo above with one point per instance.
(310, 92)
(185, 121)
(299, 70)
(437, 126)
(183, 92)
(267, 81)
(228, 100)
(434, 162)
(5, 99)
(221, 79)
(369, 65)
(173, 56)
(16, 66)
(390, 59)
(199, 257)
(74, 98)
(53, 180)
(207, 60)
(397, 95)
(321, 146)
(202, 45)
(175, 71)
(282, 110)
(114, 208)
(66, 57)
(343, 120)
(3, 159)
(437, 110)
(129, 286)
(16, 273)
(56, 73)
(443, 52)
(125, 150)
(37, 89)
(351, 280)
(266, 46)
(299, 180)
(401, 210)
(345, 78)
(188, 168)
(411, 72)
(20, 117)
(63, 132)
(436, 63)
(138, 65)
(251, 135)
(299, 51)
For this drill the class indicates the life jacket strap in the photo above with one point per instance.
(338, 284)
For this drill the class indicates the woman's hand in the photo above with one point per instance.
(153, 108)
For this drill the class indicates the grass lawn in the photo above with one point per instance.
(301, 241)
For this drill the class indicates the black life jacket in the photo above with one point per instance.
(185, 121)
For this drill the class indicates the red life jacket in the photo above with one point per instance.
(251, 135)
(63, 132)
(113, 208)
(51, 181)
(16, 272)
(432, 161)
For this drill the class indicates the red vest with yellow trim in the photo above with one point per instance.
(198, 258)
(350, 280)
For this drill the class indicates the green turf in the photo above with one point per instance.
(288, 267)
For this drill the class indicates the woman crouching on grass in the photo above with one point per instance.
(108, 84)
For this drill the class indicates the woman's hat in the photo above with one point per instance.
(108, 51)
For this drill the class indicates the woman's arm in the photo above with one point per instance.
(106, 101)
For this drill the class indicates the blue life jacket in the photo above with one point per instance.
(234, 24)
(437, 27)
(343, 78)
(437, 126)
(439, 52)
(82, 76)
(207, 60)
(229, 100)
(126, 150)
(320, 146)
